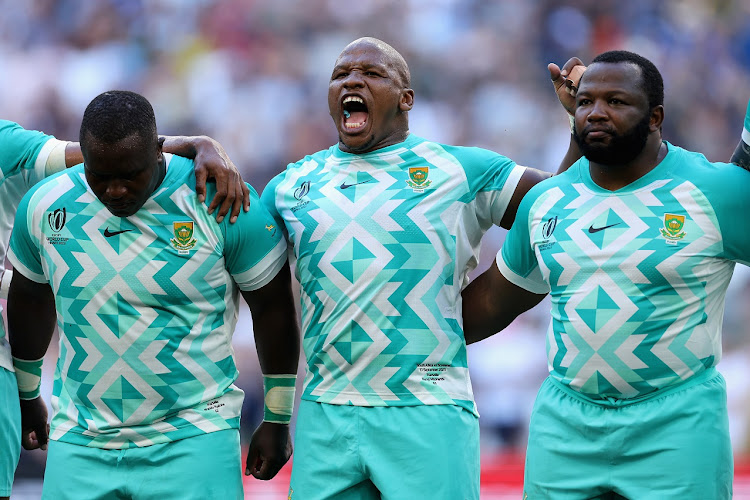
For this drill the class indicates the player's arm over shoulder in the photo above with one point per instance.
(254, 246)
(488, 171)
(530, 178)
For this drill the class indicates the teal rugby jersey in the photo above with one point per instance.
(146, 306)
(383, 243)
(637, 277)
(23, 156)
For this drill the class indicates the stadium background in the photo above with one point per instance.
(253, 74)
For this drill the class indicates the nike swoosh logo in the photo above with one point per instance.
(108, 233)
(344, 185)
(593, 229)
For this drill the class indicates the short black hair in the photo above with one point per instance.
(114, 115)
(651, 80)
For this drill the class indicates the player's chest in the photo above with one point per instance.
(136, 242)
(387, 198)
(620, 232)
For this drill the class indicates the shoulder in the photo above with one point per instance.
(14, 132)
(721, 177)
(48, 193)
(469, 155)
(300, 167)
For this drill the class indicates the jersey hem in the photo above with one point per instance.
(470, 404)
(187, 431)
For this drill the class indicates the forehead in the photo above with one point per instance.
(364, 54)
(126, 155)
(612, 77)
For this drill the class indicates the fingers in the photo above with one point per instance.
(266, 469)
(35, 439)
(238, 203)
(28, 441)
(554, 71)
(201, 175)
(252, 463)
(246, 196)
(574, 77)
(227, 203)
(569, 64)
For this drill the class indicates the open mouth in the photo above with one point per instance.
(355, 113)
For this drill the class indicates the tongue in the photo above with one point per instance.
(356, 117)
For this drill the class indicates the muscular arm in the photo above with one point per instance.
(210, 161)
(741, 155)
(565, 82)
(31, 317)
(31, 322)
(275, 324)
(491, 302)
(277, 342)
(529, 179)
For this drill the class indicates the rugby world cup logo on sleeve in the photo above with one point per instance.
(548, 227)
(299, 194)
(56, 221)
(183, 240)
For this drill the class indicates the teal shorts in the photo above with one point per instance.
(673, 444)
(200, 467)
(10, 430)
(388, 453)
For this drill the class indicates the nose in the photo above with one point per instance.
(597, 111)
(353, 79)
(116, 190)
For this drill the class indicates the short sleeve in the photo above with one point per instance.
(268, 198)
(731, 201)
(492, 179)
(24, 152)
(254, 248)
(516, 259)
(24, 252)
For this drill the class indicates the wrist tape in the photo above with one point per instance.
(278, 400)
(29, 377)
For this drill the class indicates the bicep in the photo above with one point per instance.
(31, 315)
(491, 302)
(530, 178)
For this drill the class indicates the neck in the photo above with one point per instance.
(614, 177)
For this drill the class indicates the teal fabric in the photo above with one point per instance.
(672, 444)
(389, 453)
(207, 466)
(10, 430)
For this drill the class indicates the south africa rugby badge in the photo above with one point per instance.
(183, 240)
(673, 228)
(418, 179)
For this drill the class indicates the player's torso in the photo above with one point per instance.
(637, 285)
(146, 309)
(382, 246)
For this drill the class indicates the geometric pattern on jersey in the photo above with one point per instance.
(382, 245)
(23, 156)
(146, 314)
(637, 277)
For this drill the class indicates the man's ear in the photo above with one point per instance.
(407, 100)
(657, 118)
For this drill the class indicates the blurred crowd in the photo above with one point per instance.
(253, 74)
